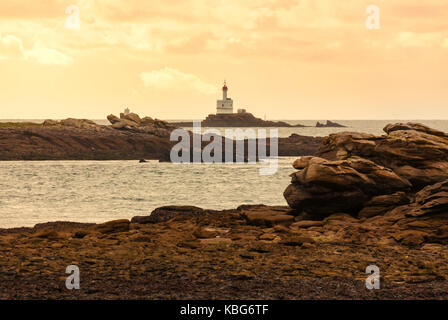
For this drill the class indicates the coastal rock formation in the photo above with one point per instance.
(365, 175)
(167, 213)
(132, 122)
(244, 119)
(411, 150)
(323, 187)
(75, 139)
(329, 124)
(71, 122)
(235, 254)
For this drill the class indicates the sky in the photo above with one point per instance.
(286, 59)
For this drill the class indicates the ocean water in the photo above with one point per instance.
(97, 191)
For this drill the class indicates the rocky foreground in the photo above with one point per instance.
(364, 201)
(128, 137)
(253, 252)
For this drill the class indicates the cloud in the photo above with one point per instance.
(48, 56)
(11, 47)
(410, 39)
(172, 79)
(445, 43)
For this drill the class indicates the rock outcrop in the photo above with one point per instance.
(75, 139)
(244, 119)
(329, 124)
(412, 150)
(324, 187)
(167, 213)
(364, 175)
(132, 122)
(78, 139)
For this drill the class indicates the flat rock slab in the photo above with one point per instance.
(268, 218)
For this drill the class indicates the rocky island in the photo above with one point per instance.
(246, 119)
(129, 137)
(363, 200)
(242, 119)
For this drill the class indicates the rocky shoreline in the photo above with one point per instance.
(246, 119)
(127, 138)
(364, 200)
(252, 252)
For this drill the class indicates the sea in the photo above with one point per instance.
(34, 192)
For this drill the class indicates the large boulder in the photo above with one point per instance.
(147, 121)
(125, 124)
(113, 119)
(133, 122)
(131, 117)
(365, 175)
(324, 187)
(413, 151)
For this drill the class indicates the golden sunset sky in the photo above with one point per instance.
(288, 59)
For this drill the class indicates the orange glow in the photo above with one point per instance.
(302, 59)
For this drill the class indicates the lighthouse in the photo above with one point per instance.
(224, 106)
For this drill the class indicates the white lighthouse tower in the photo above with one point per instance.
(224, 106)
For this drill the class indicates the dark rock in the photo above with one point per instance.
(296, 240)
(81, 141)
(114, 226)
(80, 234)
(244, 119)
(47, 234)
(267, 216)
(125, 139)
(324, 187)
(431, 200)
(268, 219)
(381, 204)
(166, 213)
(329, 124)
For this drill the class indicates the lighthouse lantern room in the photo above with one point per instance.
(224, 106)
